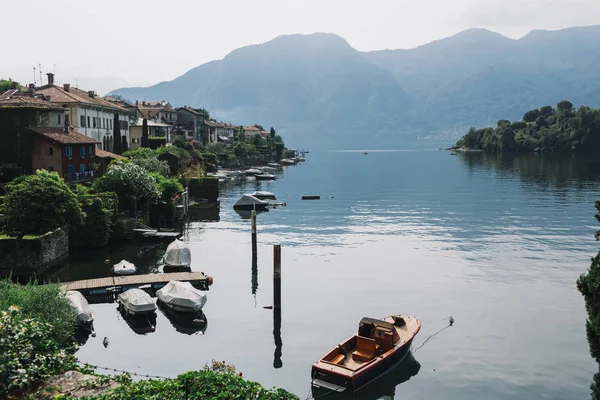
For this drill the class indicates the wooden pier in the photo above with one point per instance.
(105, 289)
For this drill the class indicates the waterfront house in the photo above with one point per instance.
(190, 124)
(251, 131)
(71, 154)
(89, 114)
(219, 131)
(155, 129)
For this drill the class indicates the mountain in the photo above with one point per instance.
(318, 91)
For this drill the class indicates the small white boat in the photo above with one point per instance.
(300, 159)
(178, 254)
(181, 296)
(84, 318)
(265, 177)
(286, 161)
(249, 202)
(253, 171)
(263, 195)
(274, 165)
(124, 268)
(235, 173)
(268, 170)
(136, 302)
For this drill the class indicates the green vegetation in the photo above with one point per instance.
(156, 142)
(219, 381)
(589, 286)
(40, 203)
(26, 237)
(118, 143)
(563, 129)
(7, 84)
(100, 215)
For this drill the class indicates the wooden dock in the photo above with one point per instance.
(106, 288)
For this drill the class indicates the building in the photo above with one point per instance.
(158, 111)
(88, 113)
(251, 131)
(69, 153)
(155, 129)
(190, 125)
(219, 131)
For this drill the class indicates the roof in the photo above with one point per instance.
(192, 110)
(15, 99)
(140, 122)
(59, 135)
(107, 154)
(251, 128)
(74, 95)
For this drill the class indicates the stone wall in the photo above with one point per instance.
(26, 257)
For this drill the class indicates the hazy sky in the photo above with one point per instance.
(145, 42)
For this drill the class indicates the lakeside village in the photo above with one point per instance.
(81, 171)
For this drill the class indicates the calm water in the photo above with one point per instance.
(497, 242)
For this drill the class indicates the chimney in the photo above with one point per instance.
(66, 87)
(50, 78)
(32, 89)
(136, 103)
(143, 103)
(91, 93)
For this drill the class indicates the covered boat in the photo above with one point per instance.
(264, 195)
(136, 302)
(379, 346)
(178, 254)
(124, 268)
(249, 202)
(84, 318)
(253, 171)
(181, 296)
(268, 170)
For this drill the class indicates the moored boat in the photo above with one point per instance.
(124, 268)
(249, 202)
(84, 317)
(181, 296)
(136, 302)
(379, 346)
(178, 254)
(264, 195)
(287, 161)
(265, 177)
(253, 171)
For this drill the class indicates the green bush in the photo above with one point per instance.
(140, 152)
(153, 164)
(168, 187)
(156, 142)
(100, 213)
(28, 351)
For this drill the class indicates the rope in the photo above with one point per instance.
(122, 371)
(450, 323)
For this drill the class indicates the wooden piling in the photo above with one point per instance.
(254, 249)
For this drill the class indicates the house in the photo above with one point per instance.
(251, 131)
(71, 154)
(88, 113)
(158, 111)
(219, 131)
(155, 129)
(103, 158)
(190, 124)
(265, 134)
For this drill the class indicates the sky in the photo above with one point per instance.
(103, 45)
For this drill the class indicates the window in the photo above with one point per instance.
(135, 140)
(82, 151)
(68, 151)
(125, 125)
(50, 151)
(111, 123)
(94, 122)
(50, 169)
(91, 150)
(82, 168)
(88, 124)
(82, 121)
(59, 121)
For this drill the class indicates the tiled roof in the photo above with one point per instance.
(16, 99)
(107, 154)
(59, 135)
(74, 95)
(251, 128)
(191, 110)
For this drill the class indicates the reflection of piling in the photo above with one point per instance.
(254, 277)
(254, 250)
(277, 363)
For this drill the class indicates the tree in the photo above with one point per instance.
(40, 203)
(546, 111)
(273, 133)
(259, 127)
(531, 116)
(118, 143)
(8, 84)
(564, 106)
(145, 142)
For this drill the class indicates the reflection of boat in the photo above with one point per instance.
(385, 387)
(140, 324)
(366, 152)
(265, 177)
(263, 195)
(178, 254)
(247, 214)
(188, 323)
(124, 268)
(249, 202)
(379, 346)
(84, 317)
(136, 302)
(176, 268)
(181, 296)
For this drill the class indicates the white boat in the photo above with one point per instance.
(235, 173)
(265, 177)
(249, 202)
(268, 170)
(253, 171)
(263, 195)
(181, 296)
(178, 254)
(136, 302)
(84, 317)
(124, 268)
(274, 165)
(286, 161)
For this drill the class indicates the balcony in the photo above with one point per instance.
(80, 176)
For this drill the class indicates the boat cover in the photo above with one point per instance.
(182, 295)
(178, 254)
(137, 301)
(264, 195)
(248, 200)
(81, 306)
(124, 268)
(253, 171)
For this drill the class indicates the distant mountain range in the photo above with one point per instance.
(318, 91)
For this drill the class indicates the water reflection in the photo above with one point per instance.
(247, 214)
(187, 323)
(140, 324)
(383, 388)
(254, 278)
(277, 363)
(203, 214)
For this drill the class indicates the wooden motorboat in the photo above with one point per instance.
(379, 346)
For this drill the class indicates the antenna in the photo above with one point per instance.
(54, 69)
(34, 79)
(40, 74)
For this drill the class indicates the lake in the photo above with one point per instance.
(495, 241)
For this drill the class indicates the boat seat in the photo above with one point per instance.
(338, 359)
(365, 349)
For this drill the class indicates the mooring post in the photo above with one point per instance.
(254, 250)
